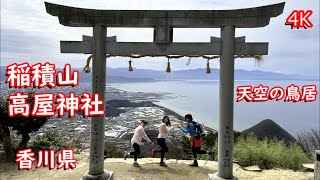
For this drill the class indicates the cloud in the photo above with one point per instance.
(19, 41)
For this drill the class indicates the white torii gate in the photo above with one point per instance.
(163, 22)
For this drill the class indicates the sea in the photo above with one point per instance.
(201, 99)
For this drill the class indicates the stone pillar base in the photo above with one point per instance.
(106, 175)
(216, 177)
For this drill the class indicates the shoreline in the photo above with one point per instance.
(179, 116)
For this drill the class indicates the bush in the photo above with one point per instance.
(175, 149)
(268, 154)
(210, 139)
(210, 142)
(47, 141)
(40, 144)
(112, 150)
(76, 142)
(186, 147)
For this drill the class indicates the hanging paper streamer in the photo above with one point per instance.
(86, 68)
(208, 71)
(168, 67)
(130, 65)
(189, 61)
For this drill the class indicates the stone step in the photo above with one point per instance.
(307, 167)
(252, 168)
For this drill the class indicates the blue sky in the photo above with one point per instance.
(28, 33)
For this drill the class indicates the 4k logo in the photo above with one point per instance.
(299, 19)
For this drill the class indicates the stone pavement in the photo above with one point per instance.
(149, 170)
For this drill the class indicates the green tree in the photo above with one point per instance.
(22, 125)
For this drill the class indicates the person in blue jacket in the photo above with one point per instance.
(195, 139)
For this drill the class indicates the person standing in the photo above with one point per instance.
(136, 139)
(195, 139)
(164, 130)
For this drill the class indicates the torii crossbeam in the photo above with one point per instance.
(163, 22)
(153, 49)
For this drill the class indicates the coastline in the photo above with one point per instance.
(180, 117)
(156, 100)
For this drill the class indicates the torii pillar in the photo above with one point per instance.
(97, 143)
(225, 133)
(163, 22)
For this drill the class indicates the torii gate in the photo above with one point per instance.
(163, 22)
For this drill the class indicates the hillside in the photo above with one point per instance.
(269, 129)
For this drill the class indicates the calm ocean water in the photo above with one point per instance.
(201, 98)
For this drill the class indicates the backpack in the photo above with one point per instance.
(199, 130)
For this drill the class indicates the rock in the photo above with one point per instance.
(307, 167)
(252, 168)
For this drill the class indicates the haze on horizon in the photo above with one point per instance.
(29, 34)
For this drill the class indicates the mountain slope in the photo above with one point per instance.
(269, 129)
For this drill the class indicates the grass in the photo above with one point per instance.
(269, 154)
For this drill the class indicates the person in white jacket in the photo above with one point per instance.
(164, 130)
(136, 139)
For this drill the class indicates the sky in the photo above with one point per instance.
(29, 34)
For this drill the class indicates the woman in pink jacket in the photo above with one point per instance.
(136, 139)
(164, 130)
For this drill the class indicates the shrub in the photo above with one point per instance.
(47, 141)
(112, 150)
(40, 144)
(210, 142)
(76, 142)
(186, 147)
(268, 154)
(210, 139)
(119, 153)
(175, 149)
